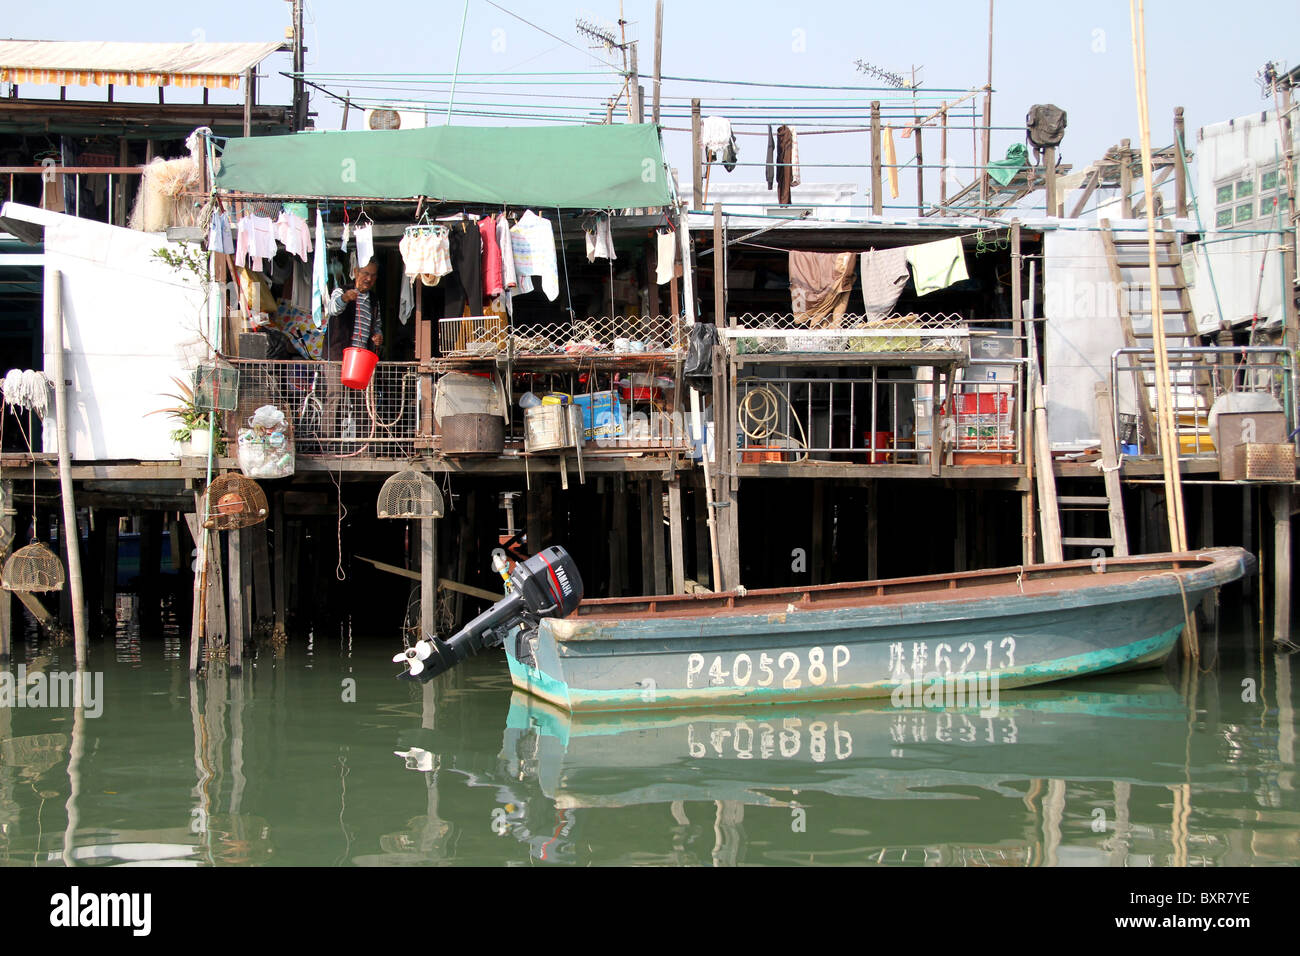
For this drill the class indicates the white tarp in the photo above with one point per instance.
(130, 323)
(74, 63)
(1083, 330)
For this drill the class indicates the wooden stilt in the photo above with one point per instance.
(8, 543)
(657, 535)
(647, 536)
(234, 548)
(279, 566)
(151, 527)
(675, 534)
(260, 558)
(816, 546)
(703, 538)
(873, 529)
(618, 577)
(1247, 536)
(959, 534)
(1282, 563)
(428, 576)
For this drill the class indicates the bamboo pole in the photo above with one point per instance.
(1164, 408)
(70, 529)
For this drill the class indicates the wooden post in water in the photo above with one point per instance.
(657, 535)
(1282, 563)
(234, 549)
(279, 567)
(76, 591)
(7, 541)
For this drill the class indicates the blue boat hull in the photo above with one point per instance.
(962, 643)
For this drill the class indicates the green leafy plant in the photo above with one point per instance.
(190, 416)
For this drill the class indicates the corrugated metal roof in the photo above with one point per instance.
(74, 63)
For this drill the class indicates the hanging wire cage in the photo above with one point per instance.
(33, 568)
(409, 494)
(216, 386)
(234, 502)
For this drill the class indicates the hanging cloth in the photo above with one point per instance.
(219, 235)
(820, 283)
(795, 176)
(784, 153)
(884, 273)
(534, 248)
(771, 158)
(365, 245)
(600, 244)
(320, 290)
(937, 265)
(491, 265)
(407, 303)
(665, 255)
(891, 160)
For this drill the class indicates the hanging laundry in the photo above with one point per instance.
(771, 158)
(464, 287)
(298, 289)
(784, 155)
(891, 160)
(491, 265)
(937, 265)
(319, 278)
(820, 283)
(665, 255)
(293, 234)
(256, 241)
(534, 248)
(600, 244)
(255, 291)
(510, 279)
(219, 235)
(347, 234)
(426, 252)
(884, 273)
(795, 177)
(407, 304)
(718, 141)
(365, 245)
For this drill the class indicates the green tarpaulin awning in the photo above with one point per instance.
(570, 167)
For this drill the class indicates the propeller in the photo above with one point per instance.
(414, 657)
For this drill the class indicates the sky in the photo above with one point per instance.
(1203, 56)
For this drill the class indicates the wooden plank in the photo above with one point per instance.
(675, 535)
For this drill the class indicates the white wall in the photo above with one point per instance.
(130, 324)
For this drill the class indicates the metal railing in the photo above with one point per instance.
(1256, 369)
(879, 417)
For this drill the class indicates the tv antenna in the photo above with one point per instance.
(602, 32)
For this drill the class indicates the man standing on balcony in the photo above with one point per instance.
(354, 321)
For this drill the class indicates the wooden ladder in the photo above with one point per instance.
(1111, 503)
(1130, 273)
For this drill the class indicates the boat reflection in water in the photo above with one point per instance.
(1094, 772)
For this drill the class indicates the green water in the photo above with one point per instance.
(294, 763)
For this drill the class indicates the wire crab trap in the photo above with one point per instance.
(33, 568)
(409, 494)
(601, 335)
(234, 502)
(216, 386)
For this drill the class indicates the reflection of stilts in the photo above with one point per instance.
(1053, 813)
(728, 834)
(1120, 839)
(1285, 721)
(75, 751)
(1178, 829)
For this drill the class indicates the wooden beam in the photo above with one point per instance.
(697, 173)
(877, 201)
(1180, 185)
(675, 535)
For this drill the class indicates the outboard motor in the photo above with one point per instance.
(546, 585)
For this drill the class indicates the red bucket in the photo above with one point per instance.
(358, 366)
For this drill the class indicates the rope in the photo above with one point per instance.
(1187, 616)
(342, 513)
(764, 417)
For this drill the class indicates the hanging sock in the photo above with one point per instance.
(665, 255)
(319, 275)
(365, 245)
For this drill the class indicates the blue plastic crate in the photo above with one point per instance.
(602, 415)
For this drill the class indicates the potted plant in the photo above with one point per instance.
(194, 431)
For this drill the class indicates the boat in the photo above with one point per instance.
(913, 640)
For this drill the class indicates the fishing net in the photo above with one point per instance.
(33, 568)
(234, 502)
(410, 494)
